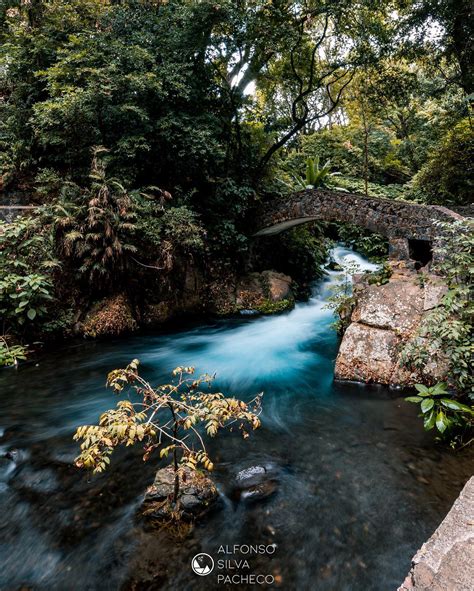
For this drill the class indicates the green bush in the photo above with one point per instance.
(23, 298)
(10, 355)
(27, 263)
(441, 410)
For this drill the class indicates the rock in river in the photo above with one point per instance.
(196, 497)
(255, 483)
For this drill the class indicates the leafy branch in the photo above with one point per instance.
(168, 417)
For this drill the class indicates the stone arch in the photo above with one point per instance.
(409, 227)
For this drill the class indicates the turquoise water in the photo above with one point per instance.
(360, 486)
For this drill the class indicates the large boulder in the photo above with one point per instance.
(446, 561)
(367, 354)
(255, 288)
(277, 286)
(385, 319)
(265, 293)
(396, 306)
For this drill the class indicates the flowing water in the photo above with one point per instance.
(360, 486)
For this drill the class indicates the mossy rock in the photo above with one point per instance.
(197, 495)
(269, 307)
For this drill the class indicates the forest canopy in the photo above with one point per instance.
(206, 98)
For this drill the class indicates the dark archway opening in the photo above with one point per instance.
(420, 251)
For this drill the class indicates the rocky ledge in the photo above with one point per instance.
(446, 561)
(385, 319)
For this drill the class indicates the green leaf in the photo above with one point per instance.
(440, 388)
(441, 423)
(415, 399)
(421, 388)
(453, 405)
(31, 313)
(427, 404)
(429, 421)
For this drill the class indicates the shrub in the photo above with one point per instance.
(447, 331)
(167, 419)
(95, 231)
(112, 316)
(440, 410)
(11, 354)
(23, 299)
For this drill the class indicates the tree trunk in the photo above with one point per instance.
(366, 147)
(176, 476)
(175, 455)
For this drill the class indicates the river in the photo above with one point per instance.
(360, 485)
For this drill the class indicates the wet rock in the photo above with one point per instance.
(268, 292)
(256, 288)
(197, 496)
(333, 266)
(260, 491)
(249, 313)
(446, 561)
(277, 286)
(251, 475)
(255, 483)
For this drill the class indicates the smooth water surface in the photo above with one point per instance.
(360, 486)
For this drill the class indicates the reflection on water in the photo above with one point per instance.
(360, 485)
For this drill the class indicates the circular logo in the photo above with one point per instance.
(202, 564)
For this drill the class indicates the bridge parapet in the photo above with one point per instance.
(393, 219)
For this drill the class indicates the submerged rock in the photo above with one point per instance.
(249, 313)
(197, 496)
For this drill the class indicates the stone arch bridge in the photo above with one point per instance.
(410, 227)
